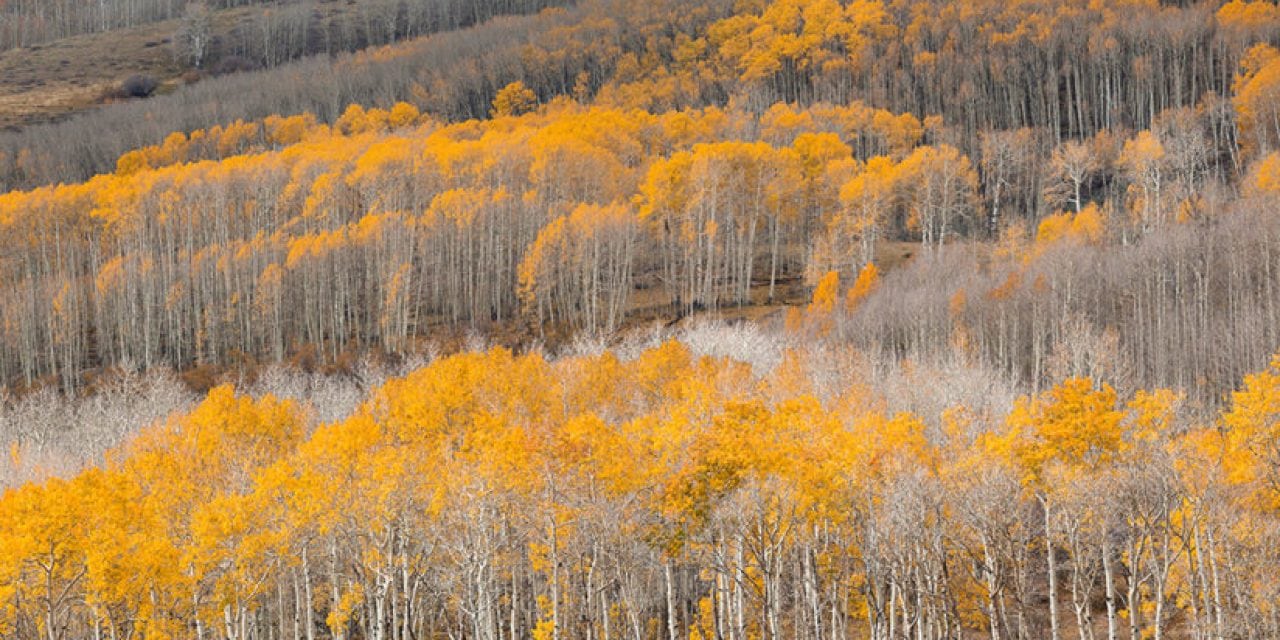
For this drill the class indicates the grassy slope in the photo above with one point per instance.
(51, 81)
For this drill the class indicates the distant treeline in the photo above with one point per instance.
(1066, 70)
(283, 28)
(453, 75)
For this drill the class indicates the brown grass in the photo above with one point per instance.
(54, 80)
(50, 81)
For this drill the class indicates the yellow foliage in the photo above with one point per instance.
(340, 615)
(1257, 97)
(353, 121)
(289, 130)
(826, 293)
(513, 100)
(544, 630)
(862, 287)
(808, 34)
(1142, 153)
(131, 163)
(403, 114)
(1264, 176)
(1248, 16)
(1086, 227)
(1072, 427)
(667, 449)
(1249, 453)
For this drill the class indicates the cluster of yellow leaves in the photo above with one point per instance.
(134, 535)
(867, 281)
(514, 99)
(1249, 18)
(243, 137)
(805, 35)
(1085, 227)
(1073, 426)
(1257, 98)
(1250, 440)
(1264, 177)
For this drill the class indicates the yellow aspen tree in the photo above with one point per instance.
(867, 281)
(1143, 159)
(515, 99)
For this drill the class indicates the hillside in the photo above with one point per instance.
(50, 80)
(812, 319)
(540, 222)
(53, 79)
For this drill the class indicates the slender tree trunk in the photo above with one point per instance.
(1109, 578)
(1051, 559)
(672, 624)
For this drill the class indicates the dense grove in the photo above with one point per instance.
(662, 494)
(353, 235)
(262, 239)
(355, 229)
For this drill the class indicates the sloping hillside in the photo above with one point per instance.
(816, 320)
(54, 78)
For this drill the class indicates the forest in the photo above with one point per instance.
(763, 319)
(663, 490)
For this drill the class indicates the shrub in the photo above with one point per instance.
(138, 86)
